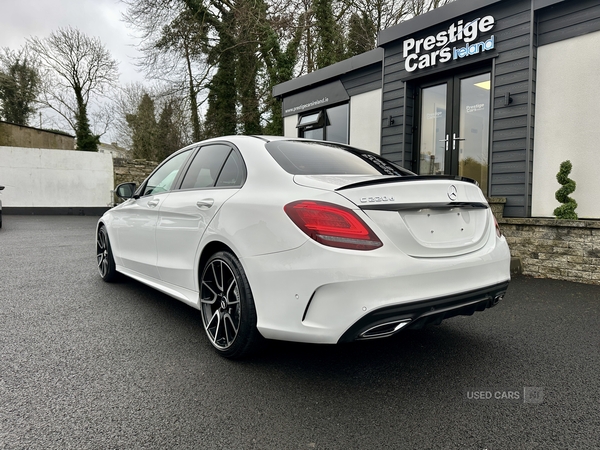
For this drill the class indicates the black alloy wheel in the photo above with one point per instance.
(227, 307)
(104, 256)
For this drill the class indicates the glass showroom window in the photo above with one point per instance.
(328, 124)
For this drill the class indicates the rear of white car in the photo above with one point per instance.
(429, 248)
(435, 259)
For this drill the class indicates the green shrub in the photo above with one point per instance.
(567, 209)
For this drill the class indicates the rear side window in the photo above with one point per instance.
(324, 158)
(233, 173)
(206, 166)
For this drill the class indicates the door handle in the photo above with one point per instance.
(153, 203)
(205, 203)
(454, 139)
(446, 142)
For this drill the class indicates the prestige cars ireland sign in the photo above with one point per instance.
(457, 42)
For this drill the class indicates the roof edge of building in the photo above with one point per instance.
(318, 76)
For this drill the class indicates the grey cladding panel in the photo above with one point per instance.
(568, 33)
(520, 98)
(362, 81)
(506, 112)
(508, 178)
(509, 167)
(508, 145)
(511, 66)
(513, 189)
(513, 133)
(567, 20)
(512, 54)
(509, 123)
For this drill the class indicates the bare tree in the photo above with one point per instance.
(173, 45)
(77, 67)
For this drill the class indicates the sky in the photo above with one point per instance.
(21, 19)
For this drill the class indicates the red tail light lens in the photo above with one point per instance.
(332, 225)
(498, 232)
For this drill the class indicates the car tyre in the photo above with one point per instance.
(104, 256)
(227, 307)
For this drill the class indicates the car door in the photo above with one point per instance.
(135, 221)
(216, 173)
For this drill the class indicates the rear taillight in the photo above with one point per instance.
(332, 225)
(498, 232)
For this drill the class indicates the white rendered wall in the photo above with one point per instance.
(289, 126)
(567, 124)
(365, 121)
(50, 178)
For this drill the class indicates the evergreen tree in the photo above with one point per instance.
(167, 135)
(19, 87)
(221, 117)
(144, 128)
(86, 140)
(248, 34)
(330, 40)
(361, 34)
(567, 209)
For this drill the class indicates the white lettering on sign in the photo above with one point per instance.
(435, 115)
(477, 107)
(413, 50)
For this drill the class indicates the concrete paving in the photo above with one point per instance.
(90, 365)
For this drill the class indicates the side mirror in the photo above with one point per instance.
(125, 190)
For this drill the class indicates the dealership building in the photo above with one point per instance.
(501, 91)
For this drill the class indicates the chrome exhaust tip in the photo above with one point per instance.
(384, 329)
(496, 299)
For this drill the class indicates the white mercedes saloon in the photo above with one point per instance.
(306, 241)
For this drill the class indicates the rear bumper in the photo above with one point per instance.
(317, 295)
(387, 321)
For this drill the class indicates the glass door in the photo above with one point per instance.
(433, 140)
(474, 128)
(454, 127)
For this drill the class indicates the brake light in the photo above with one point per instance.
(332, 225)
(498, 232)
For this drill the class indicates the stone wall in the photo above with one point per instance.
(131, 170)
(135, 170)
(560, 249)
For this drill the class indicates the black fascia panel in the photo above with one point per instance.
(430, 19)
(328, 73)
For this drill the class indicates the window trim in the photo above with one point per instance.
(177, 181)
(323, 122)
(316, 122)
(232, 148)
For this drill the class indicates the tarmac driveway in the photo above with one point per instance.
(90, 365)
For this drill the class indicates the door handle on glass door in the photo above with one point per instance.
(454, 139)
(205, 204)
(446, 142)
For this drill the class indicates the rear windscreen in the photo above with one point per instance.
(324, 158)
